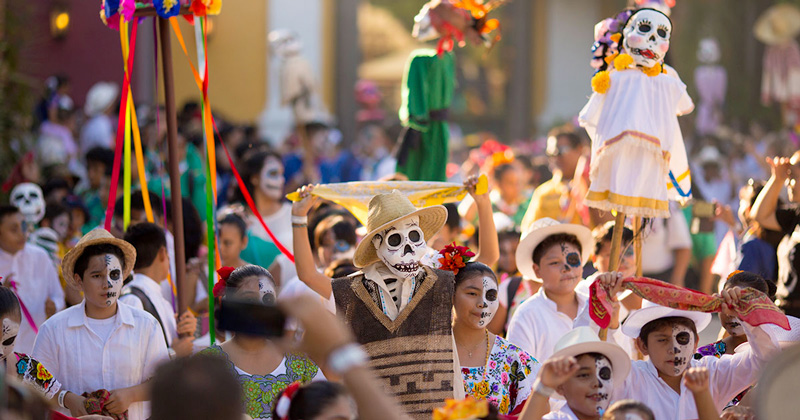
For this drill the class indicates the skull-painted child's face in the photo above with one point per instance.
(10, 326)
(401, 246)
(670, 348)
(271, 178)
(588, 392)
(475, 301)
(646, 37)
(102, 280)
(29, 199)
(259, 289)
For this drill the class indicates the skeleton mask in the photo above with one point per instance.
(113, 278)
(10, 331)
(266, 290)
(401, 247)
(646, 37)
(490, 302)
(603, 372)
(683, 346)
(708, 51)
(272, 178)
(61, 226)
(29, 199)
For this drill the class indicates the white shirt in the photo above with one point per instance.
(37, 281)
(563, 413)
(537, 324)
(82, 362)
(279, 223)
(152, 290)
(663, 237)
(729, 375)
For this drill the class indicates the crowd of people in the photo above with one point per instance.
(425, 326)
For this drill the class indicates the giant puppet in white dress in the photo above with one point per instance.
(638, 156)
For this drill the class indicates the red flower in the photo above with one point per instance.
(455, 257)
(219, 288)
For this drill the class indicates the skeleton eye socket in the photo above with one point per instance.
(491, 295)
(605, 373)
(683, 338)
(414, 235)
(661, 32)
(645, 27)
(394, 239)
(18, 197)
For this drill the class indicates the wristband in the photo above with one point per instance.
(61, 396)
(299, 225)
(542, 389)
(346, 357)
(300, 220)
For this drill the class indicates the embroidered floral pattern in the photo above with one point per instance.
(508, 380)
(35, 374)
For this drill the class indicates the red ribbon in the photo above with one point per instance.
(13, 286)
(754, 307)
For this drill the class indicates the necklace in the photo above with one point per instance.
(470, 351)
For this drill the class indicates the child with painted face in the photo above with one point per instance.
(100, 344)
(493, 369)
(258, 361)
(552, 253)
(584, 371)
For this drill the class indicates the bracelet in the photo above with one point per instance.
(300, 220)
(346, 357)
(61, 396)
(542, 389)
(299, 225)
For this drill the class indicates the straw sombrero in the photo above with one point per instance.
(387, 209)
(537, 233)
(97, 236)
(778, 24)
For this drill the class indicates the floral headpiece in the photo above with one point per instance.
(285, 401)
(734, 273)
(477, 10)
(466, 409)
(454, 257)
(222, 284)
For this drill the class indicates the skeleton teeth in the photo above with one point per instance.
(410, 267)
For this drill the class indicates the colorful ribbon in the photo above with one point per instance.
(754, 307)
(13, 286)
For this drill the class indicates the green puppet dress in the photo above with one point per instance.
(427, 93)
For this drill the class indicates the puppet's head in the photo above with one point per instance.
(398, 234)
(284, 43)
(29, 199)
(708, 51)
(646, 37)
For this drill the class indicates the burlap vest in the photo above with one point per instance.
(412, 355)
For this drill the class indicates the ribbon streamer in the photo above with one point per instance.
(754, 307)
(28, 317)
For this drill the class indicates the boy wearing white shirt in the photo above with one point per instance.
(552, 253)
(100, 344)
(144, 292)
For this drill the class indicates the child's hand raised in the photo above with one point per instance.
(731, 298)
(302, 207)
(696, 379)
(556, 371)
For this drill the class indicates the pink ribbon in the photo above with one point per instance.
(13, 286)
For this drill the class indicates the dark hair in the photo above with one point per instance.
(341, 227)
(82, 263)
(51, 211)
(137, 203)
(148, 239)
(453, 218)
(746, 279)
(234, 220)
(340, 268)
(101, 155)
(7, 210)
(553, 240)
(238, 275)
(9, 302)
(311, 400)
(560, 132)
(501, 170)
(54, 184)
(474, 268)
(198, 388)
(595, 355)
(511, 233)
(192, 229)
(618, 407)
(251, 167)
(669, 321)
(605, 232)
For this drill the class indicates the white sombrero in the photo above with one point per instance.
(537, 233)
(651, 311)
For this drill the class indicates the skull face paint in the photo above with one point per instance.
(29, 199)
(603, 395)
(271, 178)
(489, 302)
(646, 37)
(10, 331)
(266, 291)
(401, 247)
(113, 278)
(683, 343)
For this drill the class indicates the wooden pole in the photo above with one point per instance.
(616, 241)
(173, 165)
(637, 243)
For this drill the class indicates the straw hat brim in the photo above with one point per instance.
(620, 361)
(535, 237)
(68, 263)
(431, 220)
(640, 317)
(787, 15)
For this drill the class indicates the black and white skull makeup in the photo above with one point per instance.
(266, 291)
(606, 385)
(489, 302)
(572, 259)
(113, 278)
(646, 37)
(10, 331)
(683, 347)
(29, 199)
(271, 178)
(401, 247)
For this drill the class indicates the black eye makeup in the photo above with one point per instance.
(605, 373)
(574, 260)
(683, 338)
(394, 239)
(414, 235)
(491, 295)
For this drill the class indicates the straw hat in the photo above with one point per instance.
(651, 311)
(387, 209)
(96, 237)
(778, 24)
(100, 97)
(583, 340)
(537, 233)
